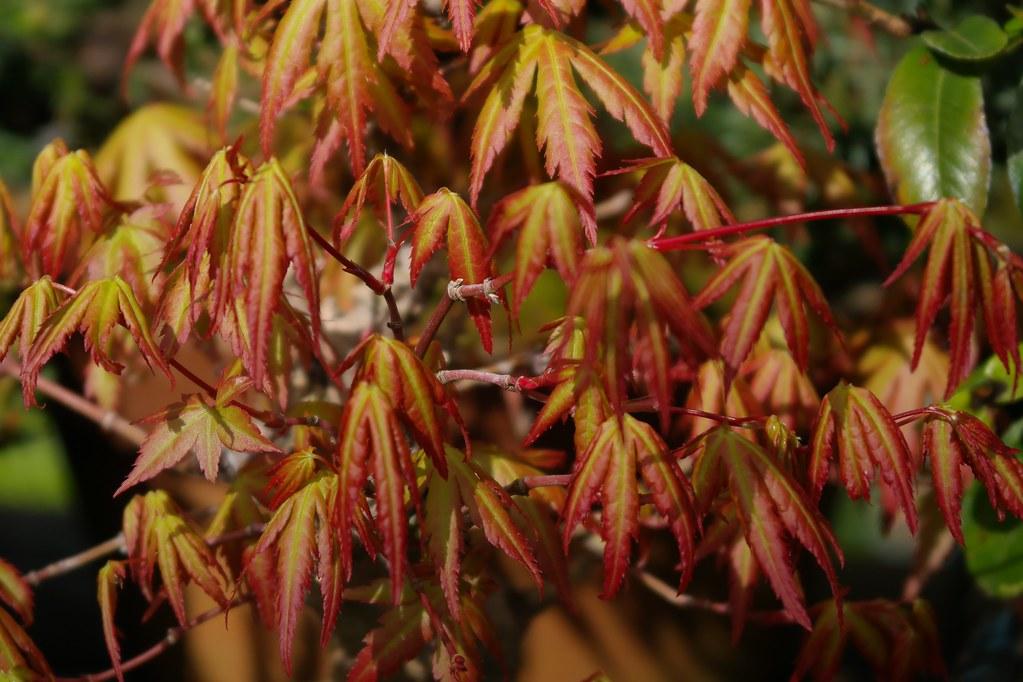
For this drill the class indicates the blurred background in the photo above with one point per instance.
(60, 75)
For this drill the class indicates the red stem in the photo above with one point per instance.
(699, 237)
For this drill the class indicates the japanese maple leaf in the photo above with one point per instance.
(670, 184)
(201, 424)
(622, 450)
(108, 582)
(267, 235)
(443, 218)
(371, 442)
(353, 81)
(899, 641)
(69, 201)
(663, 61)
(771, 507)
(780, 387)
(959, 269)
(412, 389)
(576, 386)
(718, 44)
(300, 536)
(164, 23)
(547, 219)
(384, 184)
(95, 310)
(16, 593)
(953, 440)
(21, 657)
(564, 127)
(490, 507)
(627, 288)
(711, 393)
(203, 226)
(416, 618)
(769, 271)
(26, 315)
(853, 422)
(157, 535)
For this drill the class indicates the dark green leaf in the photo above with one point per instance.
(975, 38)
(931, 134)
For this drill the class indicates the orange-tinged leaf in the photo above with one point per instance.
(750, 97)
(500, 114)
(492, 510)
(958, 270)
(291, 531)
(442, 526)
(15, 592)
(154, 154)
(268, 233)
(224, 89)
(669, 184)
(108, 582)
(663, 77)
(627, 284)
(719, 32)
(549, 227)
(69, 202)
(156, 534)
(789, 38)
(94, 310)
(413, 390)
(946, 458)
(384, 184)
(899, 641)
(371, 442)
(402, 632)
(287, 59)
(564, 128)
(953, 439)
(443, 218)
(868, 441)
(771, 507)
(771, 273)
(292, 473)
(26, 315)
(20, 658)
(199, 424)
(622, 447)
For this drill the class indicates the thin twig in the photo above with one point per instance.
(116, 544)
(170, 639)
(76, 561)
(395, 322)
(886, 21)
(108, 420)
(672, 596)
(700, 237)
(933, 562)
(457, 291)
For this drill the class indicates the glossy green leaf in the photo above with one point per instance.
(975, 38)
(994, 549)
(1014, 135)
(931, 134)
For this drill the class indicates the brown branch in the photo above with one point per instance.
(875, 16)
(460, 292)
(170, 639)
(108, 420)
(671, 595)
(116, 544)
(75, 561)
(395, 322)
(931, 564)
